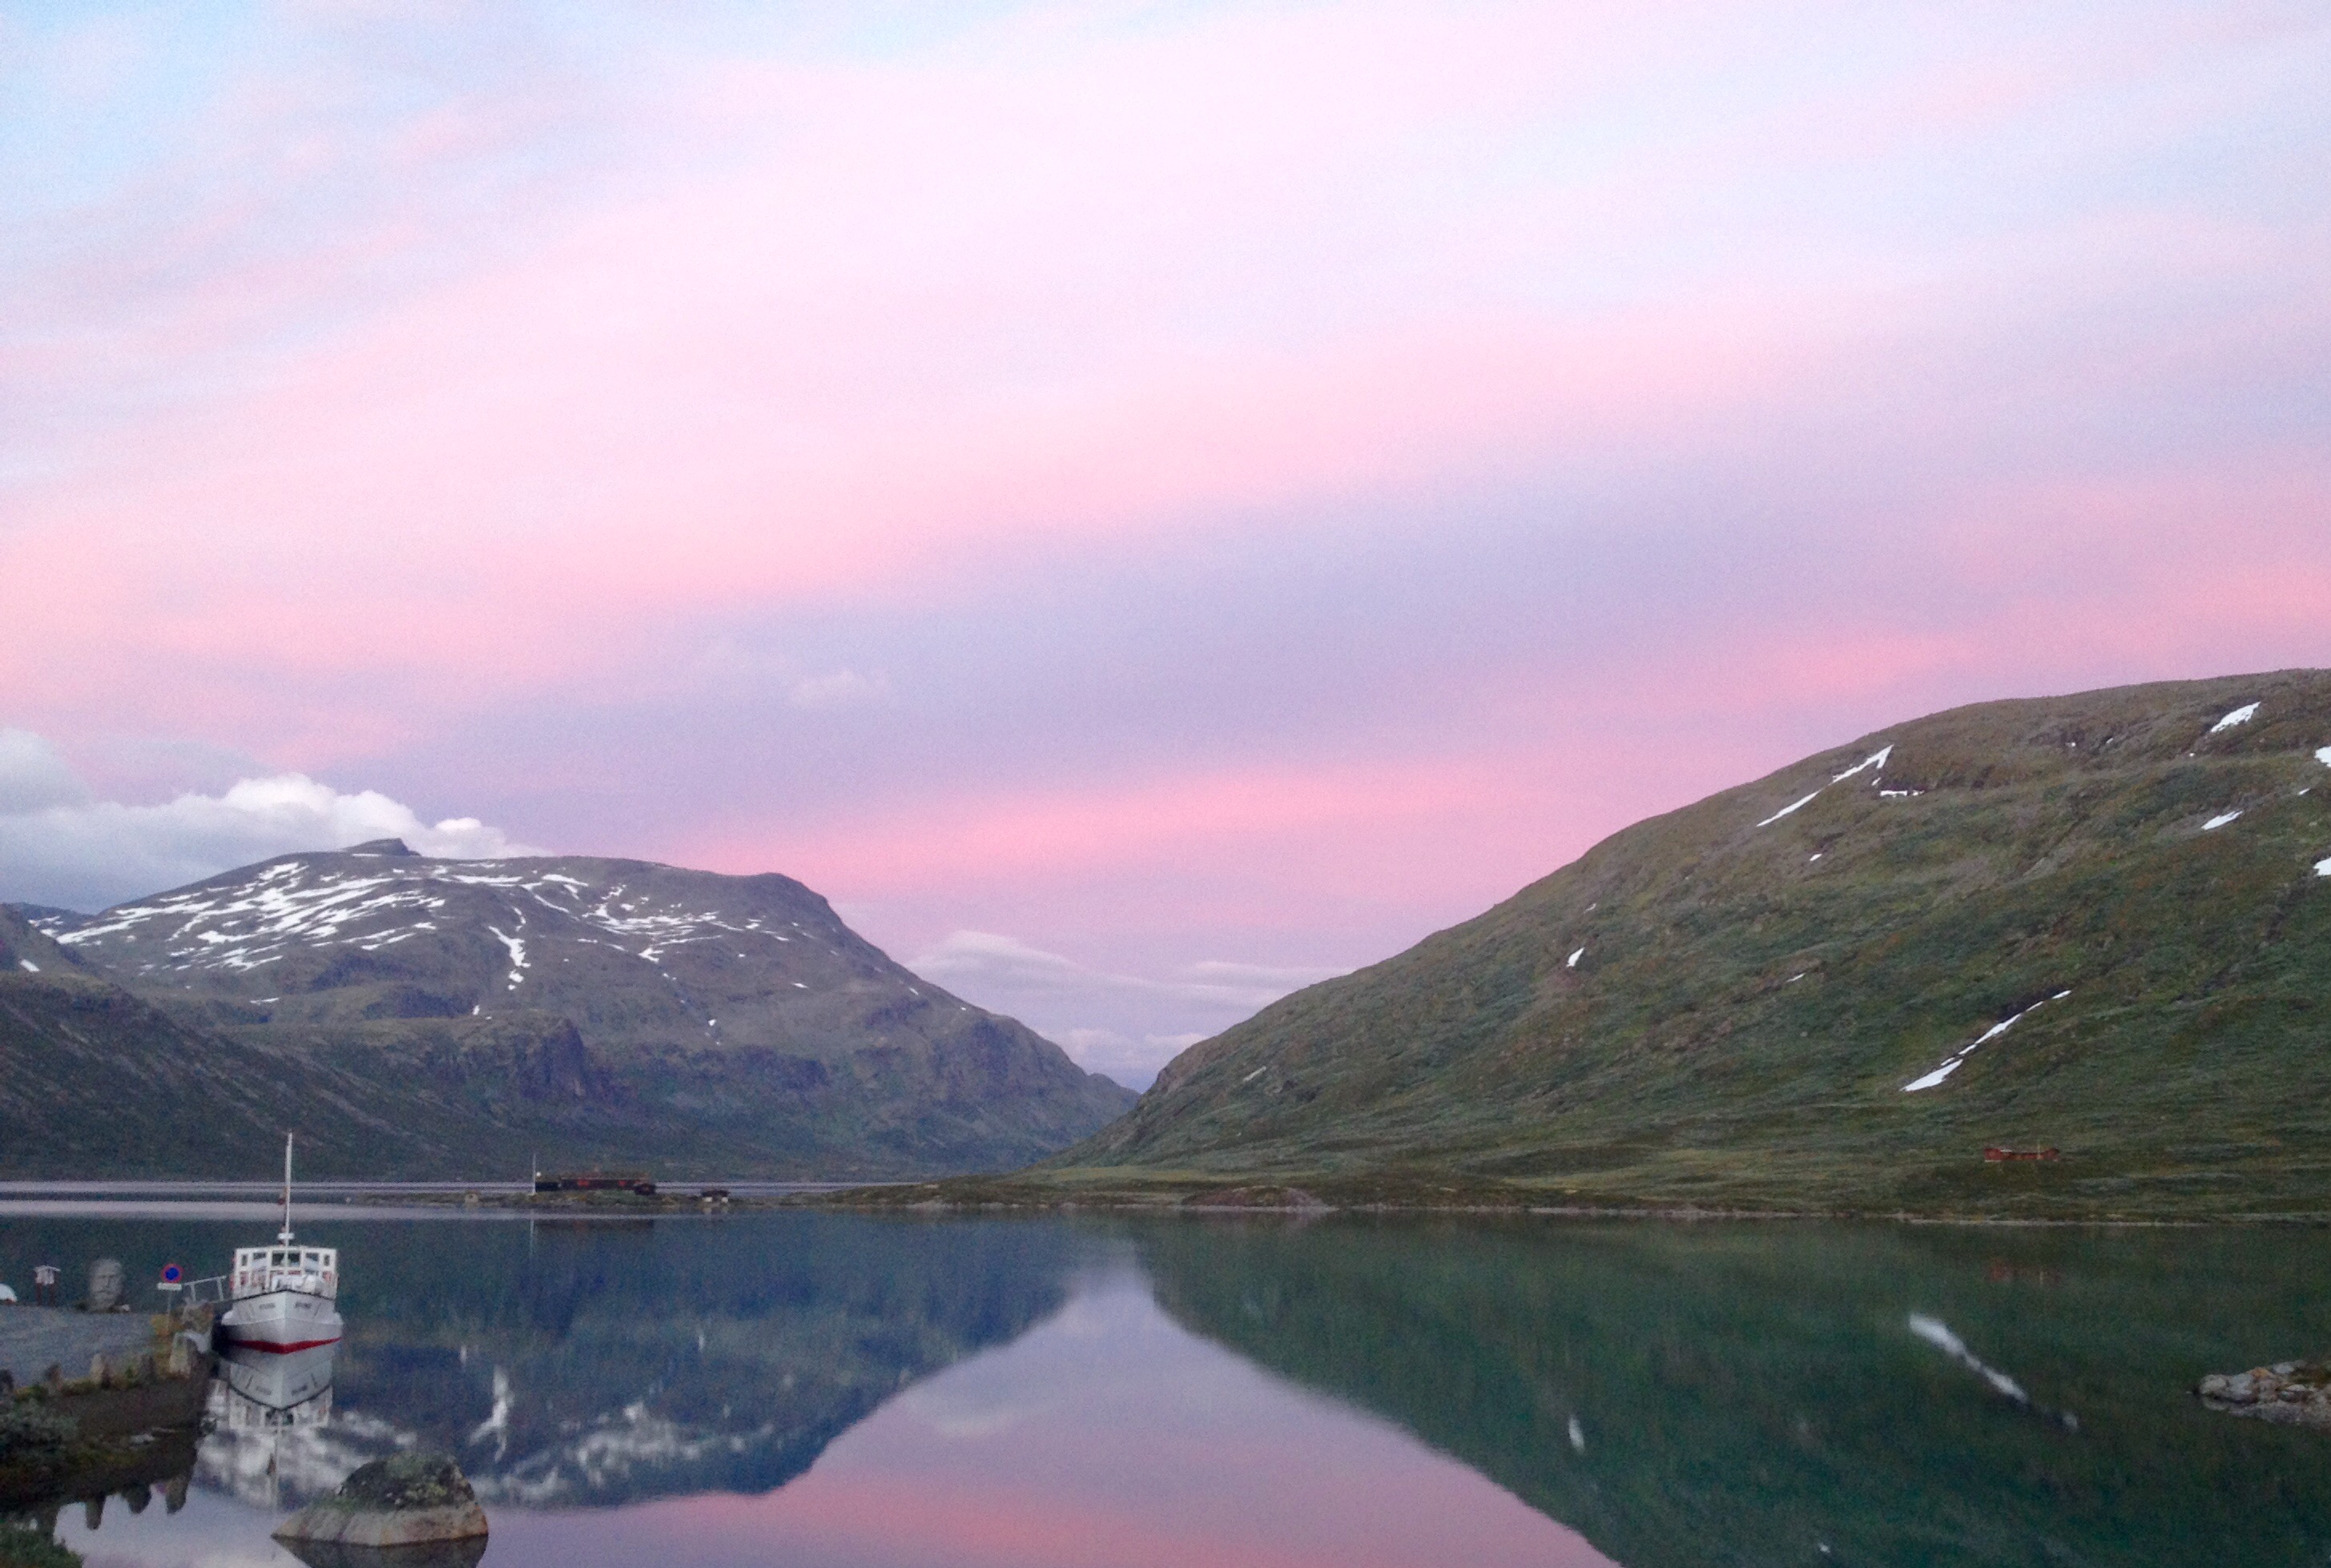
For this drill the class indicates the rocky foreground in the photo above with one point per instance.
(404, 1500)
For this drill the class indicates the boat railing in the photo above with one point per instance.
(210, 1292)
(267, 1277)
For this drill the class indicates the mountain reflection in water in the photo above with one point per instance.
(592, 1365)
(1765, 1393)
(1086, 1390)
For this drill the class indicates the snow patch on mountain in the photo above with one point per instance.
(306, 903)
(1876, 759)
(1993, 1032)
(517, 946)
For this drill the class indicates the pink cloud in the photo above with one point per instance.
(1049, 290)
(1762, 383)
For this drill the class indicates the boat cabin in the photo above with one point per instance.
(312, 1271)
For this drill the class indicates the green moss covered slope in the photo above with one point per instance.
(1724, 1005)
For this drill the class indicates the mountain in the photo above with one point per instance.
(452, 1017)
(100, 1081)
(2100, 924)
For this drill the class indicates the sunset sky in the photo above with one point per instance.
(1143, 506)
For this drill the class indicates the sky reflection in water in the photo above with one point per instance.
(1108, 1435)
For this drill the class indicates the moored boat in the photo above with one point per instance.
(282, 1299)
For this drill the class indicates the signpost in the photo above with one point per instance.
(174, 1280)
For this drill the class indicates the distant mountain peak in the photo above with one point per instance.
(379, 847)
(709, 1018)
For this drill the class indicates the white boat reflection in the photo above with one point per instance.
(271, 1438)
(265, 1390)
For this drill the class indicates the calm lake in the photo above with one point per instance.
(826, 1389)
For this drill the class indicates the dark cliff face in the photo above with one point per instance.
(2098, 922)
(699, 1023)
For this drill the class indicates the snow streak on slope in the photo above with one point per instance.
(517, 946)
(1993, 1032)
(1784, 811)
(1876, 759)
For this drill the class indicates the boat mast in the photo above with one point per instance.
(284, 1235)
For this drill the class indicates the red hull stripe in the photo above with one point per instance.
(269, 1344)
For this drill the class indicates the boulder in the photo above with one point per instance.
(2290, 1393)
(105, 1285)
(402, 1500)
(422, 1554)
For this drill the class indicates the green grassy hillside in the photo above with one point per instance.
(1725, 1005)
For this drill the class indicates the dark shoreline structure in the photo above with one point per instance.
(2096, 925)
(633, 1181)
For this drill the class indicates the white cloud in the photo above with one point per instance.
(1127, 1026)
(34, 776)
(983, 955)
(59, 845)
(1135, 1063)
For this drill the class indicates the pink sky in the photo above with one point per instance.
(1223, 484)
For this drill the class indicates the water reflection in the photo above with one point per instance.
(590, 1366)
(271, 1441)
(1786, 1393)
(260, 1391)
(1676, 1395)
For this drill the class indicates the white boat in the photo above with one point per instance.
(281, 1299)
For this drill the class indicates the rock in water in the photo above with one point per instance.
(2290, 1394)
(462, 1553)
(400, 1501)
